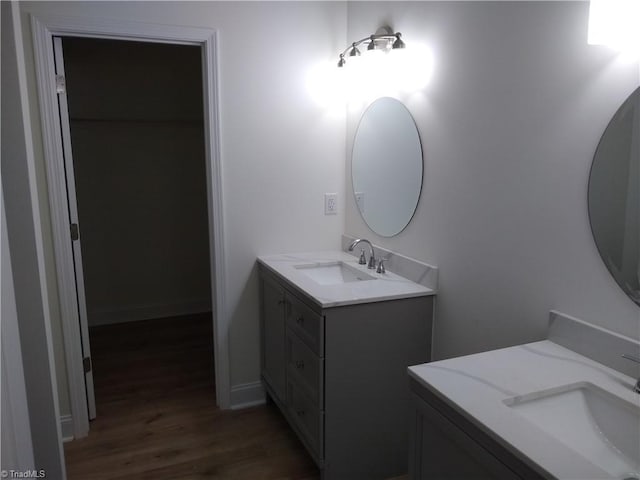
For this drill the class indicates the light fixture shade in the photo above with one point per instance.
(398, 43)
(354, 51)
(372, 44)
(342, 61)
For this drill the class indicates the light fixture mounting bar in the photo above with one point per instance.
(384, 33)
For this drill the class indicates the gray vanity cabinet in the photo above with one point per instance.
(346, 391)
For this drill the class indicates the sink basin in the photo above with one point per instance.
(594, 423)
(333, 273)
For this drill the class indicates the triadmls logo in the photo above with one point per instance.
(23, 474)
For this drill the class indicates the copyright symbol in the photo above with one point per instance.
(4, 474)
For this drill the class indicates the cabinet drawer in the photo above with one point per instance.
(305, 367)
(307, 418)
(307, 324)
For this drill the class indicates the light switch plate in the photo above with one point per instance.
(330, 203)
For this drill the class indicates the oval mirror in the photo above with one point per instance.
(386, 166)
(614, 196)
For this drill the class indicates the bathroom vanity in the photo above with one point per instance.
(337, 339)
(560, 408)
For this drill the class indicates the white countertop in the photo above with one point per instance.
(386, 286)
(477, 385)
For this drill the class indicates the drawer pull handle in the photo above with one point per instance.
(300, 364)
(300, 320)
(300, 413)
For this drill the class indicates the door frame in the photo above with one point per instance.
(44, 28)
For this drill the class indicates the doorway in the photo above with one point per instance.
(136, 184)
(44, 29)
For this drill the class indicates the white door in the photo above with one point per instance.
(74, 227)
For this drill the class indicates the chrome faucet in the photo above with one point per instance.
(372, 258)
(633, 358)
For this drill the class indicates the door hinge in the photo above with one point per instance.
(61, 86)
(75, 232)
(86, 364)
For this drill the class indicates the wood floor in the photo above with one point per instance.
(157, 417)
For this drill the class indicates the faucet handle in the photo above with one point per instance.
(363, 258)
(381, 268)
(636, 359)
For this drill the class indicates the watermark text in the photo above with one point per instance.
(23, 474)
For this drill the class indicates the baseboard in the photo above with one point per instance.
(66, 426)
(247, 395)
(147, 312)
(242, 396)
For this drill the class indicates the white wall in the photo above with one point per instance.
(280, 150)
(509, 125)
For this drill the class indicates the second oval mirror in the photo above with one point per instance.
(614, 196)
(386, 166)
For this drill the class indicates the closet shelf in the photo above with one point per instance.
(136, 120)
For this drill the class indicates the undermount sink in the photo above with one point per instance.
(594, 423)
(333, 273)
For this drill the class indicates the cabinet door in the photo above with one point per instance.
(273, 332)
(439, 449)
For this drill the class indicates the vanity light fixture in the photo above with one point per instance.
(384, 40)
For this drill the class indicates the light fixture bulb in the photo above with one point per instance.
(398, 43)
